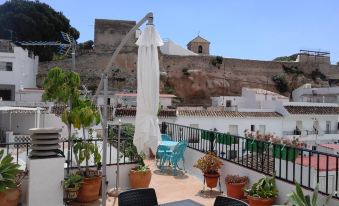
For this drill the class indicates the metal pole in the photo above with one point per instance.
(73, 55)
(104, 150)
(118, 158)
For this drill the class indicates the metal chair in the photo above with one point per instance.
(222, 201)
(165, 137)
(175, 157)
(140, 197)
(161, 151)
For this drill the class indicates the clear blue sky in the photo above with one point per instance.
(246, 29)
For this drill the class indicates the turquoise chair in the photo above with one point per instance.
(161, 151)
(165, 137)
(174, 157)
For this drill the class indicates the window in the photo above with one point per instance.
(6, 66)
(108, 101)
(200, 49)
(233, 129)
(253, 128)
(228, 103)
(262, 129)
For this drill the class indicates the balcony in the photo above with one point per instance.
(240, 155)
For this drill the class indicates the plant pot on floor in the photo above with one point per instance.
(258, 201)
(139, 179)
(90, 189)
(211, 179)
(235, 190)
(10, 197)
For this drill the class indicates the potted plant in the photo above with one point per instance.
(9, 191)
(286, 148)
(72, 185)
(298, 198)
(210, 165)
(235, 185)
(263, 192)
(140, 176)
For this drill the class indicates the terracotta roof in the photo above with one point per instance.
(330, 146)
(135, 94)
(207, 113)
(322, 162)
(312, 110)
(131, 112)
(59, 109)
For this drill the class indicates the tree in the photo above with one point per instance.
(34, 21)
(62, 87)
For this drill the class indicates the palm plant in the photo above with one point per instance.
(298, 198)
(8, 172)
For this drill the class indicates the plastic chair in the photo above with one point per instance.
(175, 157)
(222, 201)
(165, 137)
(140, 197)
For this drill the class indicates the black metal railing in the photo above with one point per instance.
(290, 164)
(20, 151)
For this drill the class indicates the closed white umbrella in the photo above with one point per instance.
(147, 132)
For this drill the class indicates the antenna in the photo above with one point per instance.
(66, 49)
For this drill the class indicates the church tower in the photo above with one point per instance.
(199, 45)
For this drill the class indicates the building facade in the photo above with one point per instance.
(18, 70)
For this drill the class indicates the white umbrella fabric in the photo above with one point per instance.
(147, 132)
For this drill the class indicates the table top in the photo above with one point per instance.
(186, 202)
(168, 143)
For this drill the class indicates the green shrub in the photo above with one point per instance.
(185, 71)
(292, 70)
(8, 171)
(263, 188)
(217, 60)
(290, 58)
(280, 82)
(316, 73)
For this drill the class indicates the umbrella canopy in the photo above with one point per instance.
(147, 132)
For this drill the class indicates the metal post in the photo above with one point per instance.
(73, 55)
(104, 150)
(118, 159)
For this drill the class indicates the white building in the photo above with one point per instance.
(306, 93)
(172, 48)
(251, 98)
(18, 70)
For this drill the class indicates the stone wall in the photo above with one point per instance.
(109, 33)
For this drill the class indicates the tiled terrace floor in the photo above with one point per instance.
(172, 188)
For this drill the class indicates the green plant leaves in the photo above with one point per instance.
(8, 171)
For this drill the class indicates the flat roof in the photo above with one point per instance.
(313, 162)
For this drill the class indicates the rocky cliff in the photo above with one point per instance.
(194, 79)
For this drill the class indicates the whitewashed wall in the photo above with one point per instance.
(24, 69)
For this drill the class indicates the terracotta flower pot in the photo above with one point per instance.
(257, 201)
(139, 179)
(211, 179)
(90, 189)
(235, 190)
(10, 197)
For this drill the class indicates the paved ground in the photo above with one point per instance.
(172, 188)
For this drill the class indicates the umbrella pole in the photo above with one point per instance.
(104, 150)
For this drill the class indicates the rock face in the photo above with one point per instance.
(194, 79)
